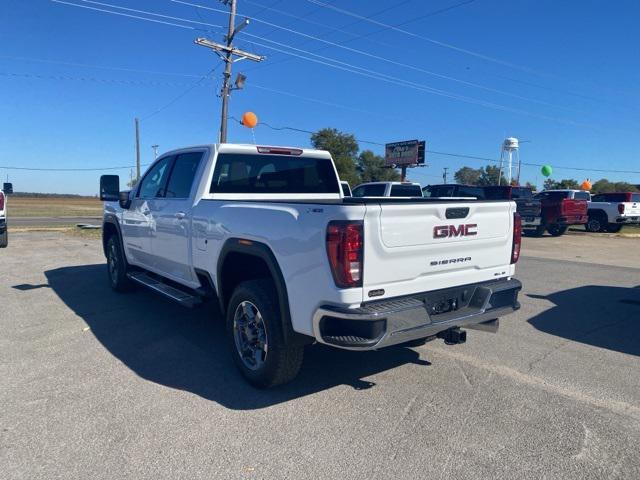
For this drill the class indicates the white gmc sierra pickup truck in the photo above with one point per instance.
(609, 212)
(268, 233)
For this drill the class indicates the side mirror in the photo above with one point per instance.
(7, 188)
(124, 199)
(109, 188)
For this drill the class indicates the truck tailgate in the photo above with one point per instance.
(570, 207)
(418, 247)
(631, 209)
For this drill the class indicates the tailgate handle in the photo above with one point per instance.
(457, 212)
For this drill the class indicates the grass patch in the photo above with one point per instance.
(54, 207)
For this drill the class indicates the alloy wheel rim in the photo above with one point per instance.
(113, 263)
(250, 335)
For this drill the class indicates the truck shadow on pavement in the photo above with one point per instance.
(186, 349)
(602, 316)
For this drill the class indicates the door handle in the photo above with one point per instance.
(180, 215)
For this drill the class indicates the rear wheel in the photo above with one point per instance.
(4, 239)
(556, 230)
(594, 224)
(614, 227)
(117, 266)
(256, 338)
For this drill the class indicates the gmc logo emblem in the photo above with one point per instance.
(446, 231)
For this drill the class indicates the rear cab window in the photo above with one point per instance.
(635, 197)
(273, 174)
(370, 190)
(518, 192)
(406, 191)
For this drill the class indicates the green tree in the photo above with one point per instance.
(372, 169)
(605, 186)
(468, 175)
(489, 176)
(567, 183)
(344, 150)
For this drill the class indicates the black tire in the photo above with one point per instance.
(4, 239)
(279, 362)
(117, 266)
(538, 231)
(556, 230)
(614, 227)
(595, 224)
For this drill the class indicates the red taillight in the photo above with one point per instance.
(1, 201)
(621, 208)
(345, 247)
(517, 238)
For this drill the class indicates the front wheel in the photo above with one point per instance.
(256, 338)
(556, 230)
(614, 227)
(594, 225)
(538, 231)
(117, 266)
(4, 239)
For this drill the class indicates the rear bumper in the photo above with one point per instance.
(627, 219)
(529, 222)
(380, 324)
(571, 220)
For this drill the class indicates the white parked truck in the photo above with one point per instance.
(268, 232)
(7, 189)
(609, 212)
(388, 189)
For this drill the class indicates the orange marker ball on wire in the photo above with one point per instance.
(586, 185)
(249, 120)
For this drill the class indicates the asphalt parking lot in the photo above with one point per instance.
(99, 385)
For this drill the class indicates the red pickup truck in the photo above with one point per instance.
(561, 208)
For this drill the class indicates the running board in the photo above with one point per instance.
(183, 298)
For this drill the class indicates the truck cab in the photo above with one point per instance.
(452, 190)
(388, 189)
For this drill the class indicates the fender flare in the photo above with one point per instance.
(110, 218)
(263, 252)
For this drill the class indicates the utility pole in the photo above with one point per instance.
(137, 122)
(227, 52)
(444, 174)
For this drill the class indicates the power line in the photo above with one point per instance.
(457, 155)
(378, 57)
(362, 71)
(422, 37)
(183, 94)
(97, 169)
(92, 79)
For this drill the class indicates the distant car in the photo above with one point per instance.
(560, 209)
(7, 188)
(346, 189)
(388, 189)
(609, 212)
(529, 208)
(453, 190)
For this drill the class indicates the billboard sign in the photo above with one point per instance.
(410, 152)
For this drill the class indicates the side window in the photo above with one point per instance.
(582, 196)
(182, 175)
(153, 183)
(597, 198)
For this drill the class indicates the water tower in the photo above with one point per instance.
(509, 150)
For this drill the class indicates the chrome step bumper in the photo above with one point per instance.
(380, 324)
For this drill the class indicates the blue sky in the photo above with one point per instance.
(563, 75)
